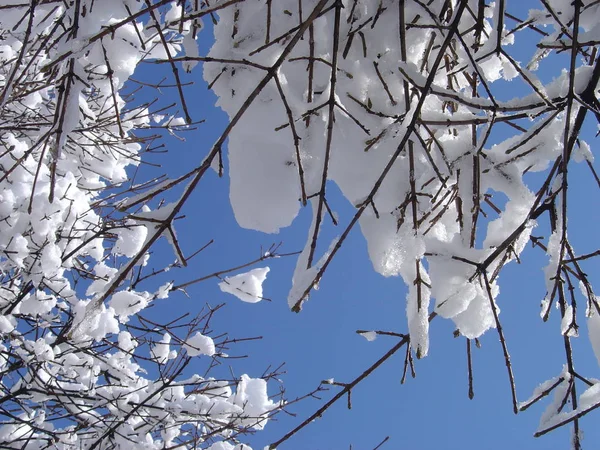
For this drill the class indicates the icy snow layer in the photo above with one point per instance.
(66, 141)
(423, 213)
(593, 324)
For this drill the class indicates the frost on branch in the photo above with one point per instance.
(403, 105)
(82, 364)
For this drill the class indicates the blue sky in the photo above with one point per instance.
(429, 412)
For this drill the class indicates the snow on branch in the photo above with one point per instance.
(403, 106)
(82, 364)
(400, 104)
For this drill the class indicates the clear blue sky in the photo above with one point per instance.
(429, 412)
